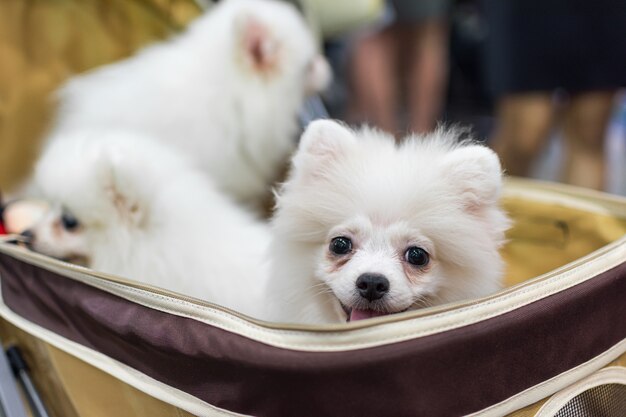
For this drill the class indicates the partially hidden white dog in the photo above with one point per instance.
(226, 92)
(130, 206)
(365, 227)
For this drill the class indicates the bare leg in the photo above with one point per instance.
(373, 73)
(427, 74)
(586, 119)
(524, 124)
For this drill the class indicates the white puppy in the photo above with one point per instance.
(226, 92)
(130, 206)
(365, 227)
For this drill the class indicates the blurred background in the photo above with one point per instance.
(541, 81)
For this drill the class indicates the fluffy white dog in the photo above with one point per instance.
(226, 92)
(365, 227)
(129, 206)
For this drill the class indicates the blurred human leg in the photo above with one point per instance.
(427, 74)
(373, 78)
(586, 120)
(524, 122)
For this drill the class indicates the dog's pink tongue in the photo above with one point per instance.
(357, 314)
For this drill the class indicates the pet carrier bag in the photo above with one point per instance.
(552, 343)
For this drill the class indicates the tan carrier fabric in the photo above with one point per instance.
(73, 388)
(531, 349)
(560, 232)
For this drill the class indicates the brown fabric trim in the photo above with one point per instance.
(447, 374)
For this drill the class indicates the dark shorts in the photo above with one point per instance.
(543, 45)
(411, 11)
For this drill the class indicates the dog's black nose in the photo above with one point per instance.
(372, 286)
(28, 235)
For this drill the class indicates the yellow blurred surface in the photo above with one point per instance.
(43, 42)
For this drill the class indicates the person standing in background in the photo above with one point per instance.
(412, 48)
(537, 47)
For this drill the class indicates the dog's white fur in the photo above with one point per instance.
(432, 192)
(226, 92)
(144, 213)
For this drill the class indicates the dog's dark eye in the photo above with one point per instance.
(416, 256)
(69, 222)
(340, 245)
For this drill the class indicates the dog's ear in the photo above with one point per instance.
(121, 187)
(259, 45)
(325, 140)
(318, 75)
(322, 144)
(475, 172)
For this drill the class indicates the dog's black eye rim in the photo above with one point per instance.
(417, 256)
(69, 221)
(340, 245)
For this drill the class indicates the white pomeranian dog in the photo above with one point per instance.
(226, 92)
(366, 227)
(130, 206)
